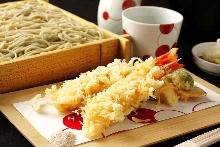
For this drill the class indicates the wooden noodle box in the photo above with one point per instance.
(59, 65)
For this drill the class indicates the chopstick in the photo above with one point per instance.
(202, 140)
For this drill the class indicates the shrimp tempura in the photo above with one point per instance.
(73, 94)
(124, 96)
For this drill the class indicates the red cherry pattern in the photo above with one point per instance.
(143, 114)
(73, 121)
(166, 28)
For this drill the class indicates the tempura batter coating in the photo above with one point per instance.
(73, 94)
(124, 96)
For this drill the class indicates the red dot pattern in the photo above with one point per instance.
(162, 50)
(126, 4)
(105, 15)
(166, 28)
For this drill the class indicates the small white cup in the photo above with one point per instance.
(154, 30)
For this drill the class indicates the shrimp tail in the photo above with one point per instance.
(170, 67)
(168, 62)
(167, 57)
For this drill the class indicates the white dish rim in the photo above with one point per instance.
(196, 57)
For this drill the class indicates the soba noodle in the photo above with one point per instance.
(29, 28)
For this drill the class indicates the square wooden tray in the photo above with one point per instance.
(62, 64)
(146, 135)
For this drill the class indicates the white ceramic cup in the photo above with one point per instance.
(154, 30)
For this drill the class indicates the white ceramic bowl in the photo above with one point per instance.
(154, 30)
(204, 65)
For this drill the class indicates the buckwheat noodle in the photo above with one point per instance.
(29, 28)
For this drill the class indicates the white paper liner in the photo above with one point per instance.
(50, 120)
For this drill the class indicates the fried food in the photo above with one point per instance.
(73, 94)
(196, 92)
(180, 79)
(166, 94)
(106, 95)
(178, 85)
(124, 96)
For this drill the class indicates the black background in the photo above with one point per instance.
(201, 24)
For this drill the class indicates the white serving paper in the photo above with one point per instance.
(50, 120)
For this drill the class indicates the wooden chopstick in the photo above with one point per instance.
(203, 140)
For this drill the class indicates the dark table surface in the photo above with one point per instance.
(10, 136)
